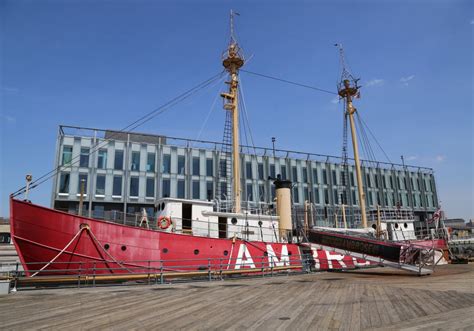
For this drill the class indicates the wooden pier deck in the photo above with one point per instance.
(372, 299)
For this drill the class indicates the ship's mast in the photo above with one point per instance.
(348, 89)
(232, 62)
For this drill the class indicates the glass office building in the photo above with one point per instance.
(125, 172)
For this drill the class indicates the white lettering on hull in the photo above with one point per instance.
(244, 258)
(273, 259)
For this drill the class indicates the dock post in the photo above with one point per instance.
(161, 273)
(209, 268)
(93, 275)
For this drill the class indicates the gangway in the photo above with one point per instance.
(406, 256)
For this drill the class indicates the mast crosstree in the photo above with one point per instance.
(348, 88)
(232, 61)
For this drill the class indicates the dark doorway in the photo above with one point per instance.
(222, 227)
(187, 216)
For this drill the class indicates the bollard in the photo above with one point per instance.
(161, 274)
(209, 268)
(93, 273)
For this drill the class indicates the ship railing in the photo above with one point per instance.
(92, 273)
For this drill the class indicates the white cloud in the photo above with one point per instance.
(8, 118)
(440, 158)
(375, 82)
(335, 100)
(9, 90)
(472, 22)
(412, 158)
(405, 80)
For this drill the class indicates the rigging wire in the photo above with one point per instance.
(289, 82)
(375, 139)
(210, 111)
(132, 126)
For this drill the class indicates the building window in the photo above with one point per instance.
(82, 179)
(296, 197)
(273, 192)
(316, 195)
(326, 196)
(150, 187)
(166, 164)
(98, 211)
(283, 172)
(134, 189)
(315, 176)
(209, 167)
(223, 191)
(118, 160)
(334, 177)
(181, 164)
(391, 182)
(84, 158)
(369, 184)
(209, 190)
(352, 179)
(248, 170)
(181, 188)
(261, 192)
(305, 174)
(100, 185)
(336, 197)
(325, 177)
(102, 159)
(272, 171)
(64, 182)
(306, 193)
(196, 191)
(384, 182)
(376, 179)
(260, 171)
(294, 171)
(354, 200)
(249, 192)
(166, 188)
(67, 155)
(196, 168)
(222, 168)
(135, 166)
(117, 186)
(150, 162)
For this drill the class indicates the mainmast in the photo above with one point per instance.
(348, 89)
(232, 61)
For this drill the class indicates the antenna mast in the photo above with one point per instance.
(348, 88)
(232, 61)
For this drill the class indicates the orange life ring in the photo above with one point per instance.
(164, 222)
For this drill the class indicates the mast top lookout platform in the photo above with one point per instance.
(233, 58)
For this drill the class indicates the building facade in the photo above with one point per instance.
(125, 172)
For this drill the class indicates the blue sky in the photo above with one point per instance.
(104, 63)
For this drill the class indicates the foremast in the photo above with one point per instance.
(232, 61)
(347, 90)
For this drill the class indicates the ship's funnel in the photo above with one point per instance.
(283, 199)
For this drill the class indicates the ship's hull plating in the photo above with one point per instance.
(80, 244)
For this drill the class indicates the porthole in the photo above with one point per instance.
(260, 223)
(234, 221)
(196, 251)
(123, 248)
(165, 250)
(396, 225)
(226, 253)
(106, 246)
(265, 253)
(405, 225)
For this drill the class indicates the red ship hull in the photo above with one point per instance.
(78, 243)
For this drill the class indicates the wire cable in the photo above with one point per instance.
(132, 126)
(289, 82)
